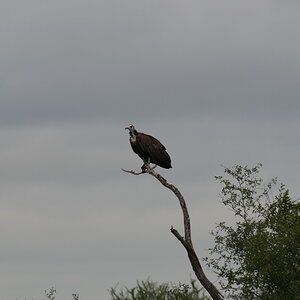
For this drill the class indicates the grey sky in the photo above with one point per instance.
(216, 81)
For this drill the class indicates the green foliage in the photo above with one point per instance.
(149, 290)
(259, 256)
(50, 294)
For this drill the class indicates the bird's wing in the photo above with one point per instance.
(152, 146)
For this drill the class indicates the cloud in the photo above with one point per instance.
(65, 62)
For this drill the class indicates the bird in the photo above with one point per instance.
(149, 149)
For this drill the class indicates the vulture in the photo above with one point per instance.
(148, 148)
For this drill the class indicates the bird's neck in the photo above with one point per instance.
(132, 138)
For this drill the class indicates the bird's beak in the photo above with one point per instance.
(126, 128)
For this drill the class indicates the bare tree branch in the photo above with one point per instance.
(186, 241)
(133, 172)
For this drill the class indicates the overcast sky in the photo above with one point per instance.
(218, 82)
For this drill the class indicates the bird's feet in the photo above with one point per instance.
(146, 166)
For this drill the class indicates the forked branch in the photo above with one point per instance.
(186, 241)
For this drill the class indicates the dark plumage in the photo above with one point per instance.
(148, 148)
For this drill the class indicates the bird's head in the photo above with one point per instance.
(132, 130)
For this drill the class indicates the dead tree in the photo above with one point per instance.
(185, 240)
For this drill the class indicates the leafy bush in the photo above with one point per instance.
(259, 256)
(150, 290)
